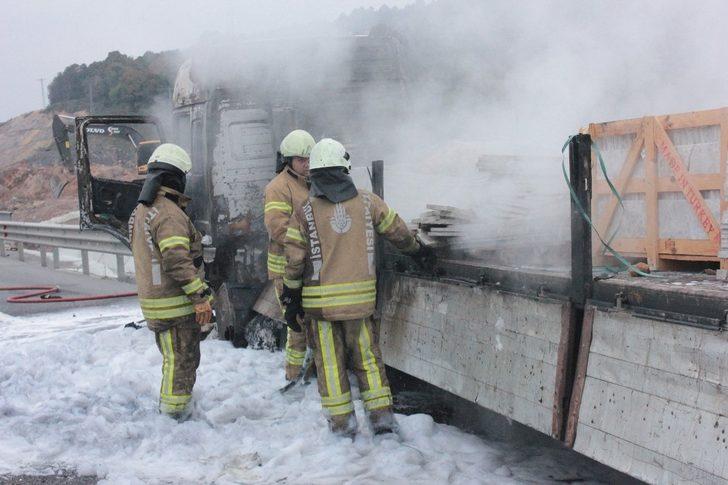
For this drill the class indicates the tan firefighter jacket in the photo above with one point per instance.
(286, 191)
(330, 253)
(167, 253)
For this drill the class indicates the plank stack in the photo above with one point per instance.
(441, 224)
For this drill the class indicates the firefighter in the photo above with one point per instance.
(173, 295)
(331, 277)
(288, 189)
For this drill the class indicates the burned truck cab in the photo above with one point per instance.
(233, 158)
(232, 147)
(229, 113)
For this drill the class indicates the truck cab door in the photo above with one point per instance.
(112, 154)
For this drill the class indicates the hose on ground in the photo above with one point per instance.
(46, 294)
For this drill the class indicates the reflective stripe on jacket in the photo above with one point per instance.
(167, 253)
(330, 253)
(286, 191)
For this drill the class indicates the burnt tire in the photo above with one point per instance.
(265, 333)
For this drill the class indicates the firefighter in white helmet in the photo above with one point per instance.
(173, 295)
(330, 276)
(288, 189)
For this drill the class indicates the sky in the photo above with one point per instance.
(39, 38)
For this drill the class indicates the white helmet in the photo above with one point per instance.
(171, 154)
(297, 143)
(329, 153)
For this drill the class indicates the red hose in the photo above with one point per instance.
(47, 290)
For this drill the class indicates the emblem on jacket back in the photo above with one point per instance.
(341, 221)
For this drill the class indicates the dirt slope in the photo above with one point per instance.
(28, 161)
(27, 138)
(25, 190)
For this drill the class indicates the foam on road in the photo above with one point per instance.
(79, 392)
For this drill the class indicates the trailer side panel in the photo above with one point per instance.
(654, 400)
(497, 349)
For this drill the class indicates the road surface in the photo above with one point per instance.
(31, 273)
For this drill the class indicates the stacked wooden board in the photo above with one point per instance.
(512, 233)
(441, 224)
(511, 210)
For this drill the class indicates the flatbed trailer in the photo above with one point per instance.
(638, 381)
(630, 371)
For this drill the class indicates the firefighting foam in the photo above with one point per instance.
(84, 397)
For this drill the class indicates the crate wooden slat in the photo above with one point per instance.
(670, 171)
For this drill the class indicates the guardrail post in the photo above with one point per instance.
(43, 257)
(2, 248)
(21, 255)
(56, 259)
(120, 272)
(84, 262)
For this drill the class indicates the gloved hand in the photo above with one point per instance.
(292, 320)
(203, 312)
(425, 257)
(293, 301)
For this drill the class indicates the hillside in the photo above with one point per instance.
(28, 161)
(26, 191)
(119, 84)
(27, 138)
(28, 158)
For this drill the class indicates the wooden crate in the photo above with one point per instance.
(670, 171)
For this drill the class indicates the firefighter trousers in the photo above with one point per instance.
(180, 348)
(295, 342)
(352, 345)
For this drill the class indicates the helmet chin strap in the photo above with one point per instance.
(299, 174)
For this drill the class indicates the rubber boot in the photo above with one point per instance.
(180, 416)
(344, 425)
(382, 421)
(292, 371)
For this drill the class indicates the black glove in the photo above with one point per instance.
(291, 298)
(425, 257)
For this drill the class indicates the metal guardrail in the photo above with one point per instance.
(55, 236)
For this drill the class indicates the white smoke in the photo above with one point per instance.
(483, 79)
(505, 78)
